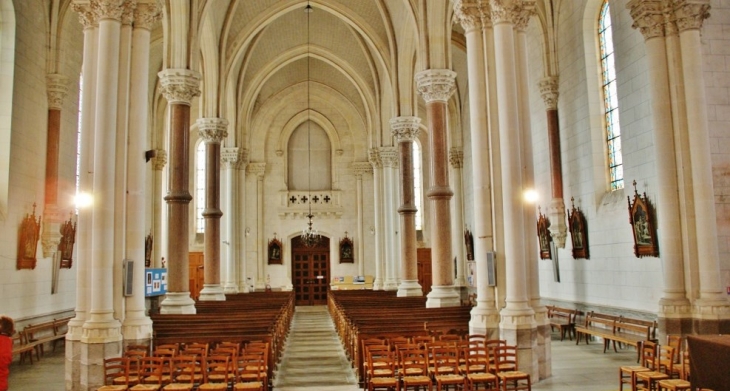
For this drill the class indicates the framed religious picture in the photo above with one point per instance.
(578, 232)
(148, 250)
(641, 217)
(30, 230)
(66, 245)
(543, 235)
(469, 243)
(346, 250)
(275, 255)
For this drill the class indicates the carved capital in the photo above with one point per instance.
(212, 130)
(56, 84)
(257, 169)
(523, 13)
(87, 16)
(549, 91)
(160, 159)
(456, 157)
(648, 17)
(690, 14)
(468, 14)
(128, 12)
(111, 9)
(405, 129)
(389, 156)
(179, 86)
(234, 158)
(361, 168)
(511, 11)
(436, 85)
(147, 14)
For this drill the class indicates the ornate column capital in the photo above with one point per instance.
(516, 12)
(361, 168)
(257, 169)
(468, 14)
(160, 159)
(690, 14)
(648, 17)
(128, 12)
(112, 9)
(146, 15)
(523, 12)
(212, 130)
(405, 129)
(456, 157)
(87, 16)
(179, 86)
(549, 91)
(389, 156)
(374, 158)
(436, 85)
(234, 158)
(57, 87)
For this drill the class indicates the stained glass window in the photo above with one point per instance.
(610, 99)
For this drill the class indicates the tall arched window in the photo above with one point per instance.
(610, 99)
(199, 187)
(418, 185)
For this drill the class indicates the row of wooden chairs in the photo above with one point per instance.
(461, 364)
(185, 372)
(661, 367)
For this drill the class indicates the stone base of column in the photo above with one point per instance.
(484, 321)
(544, 337)
(137, 326)
(460, 282)
(443, 296)
(288, 286)
(260, 286)
(91, 363)
(73, 363)
(101, 328)
(212, 292)
(76, 327)
(521, 330)
(177, 303)
(409, 288)
(675, 317)
(243, 288)
(230, 288)
(711, 316)
(378, 284)
(391, 285)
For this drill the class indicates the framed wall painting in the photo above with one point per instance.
(543, 235)
(275, 252)
(578, 232)
(66, 246)
(30, 230)
(469, 243)
(641, 217)
(346, 250)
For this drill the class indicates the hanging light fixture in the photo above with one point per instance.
(310, 236)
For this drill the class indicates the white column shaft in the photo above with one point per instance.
(378, 190)
(457, 225)
(231, 235)
(260, 235)
(243, 232)
(360, 248)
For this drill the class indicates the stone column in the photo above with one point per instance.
(158, 164)
(436, 86)
(137, 326)
(83, 227)
(377, 163)
(259, 169)
(484, 316)
(556, 211)
(243, 230)
(456, 159)
(212, 130)
(674, 307)
(360, 168)
(232, 160)
(712, 307)
(389, 157)
(518, 318)
(53, 213)
(179, 86)
(405, 131)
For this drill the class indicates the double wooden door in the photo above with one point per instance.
(310, 272)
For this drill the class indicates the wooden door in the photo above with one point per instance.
(310, 272)
(423, 256)
(196, 273)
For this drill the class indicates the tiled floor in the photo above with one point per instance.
(583, 367)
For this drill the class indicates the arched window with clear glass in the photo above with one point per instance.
(610, 99)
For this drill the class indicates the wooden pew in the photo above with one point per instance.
(563, 319)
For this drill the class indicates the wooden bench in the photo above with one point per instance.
(597, 325)
(23, 348)
(37, 335)
(613, 329)
(563, 319)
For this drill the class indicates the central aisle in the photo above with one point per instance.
(313, 357)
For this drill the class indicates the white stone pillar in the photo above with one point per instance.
(377, 163)
(243, 231)
(137, 326)
(389, 157)
(712, 304)
(405, 131)
(673, 306)
(259, 169)
(436, 87)
(484, 316)
(158, 164)
(83, 226)
(360, 168)
(179, 86)
(231, 159)
(456, 160)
